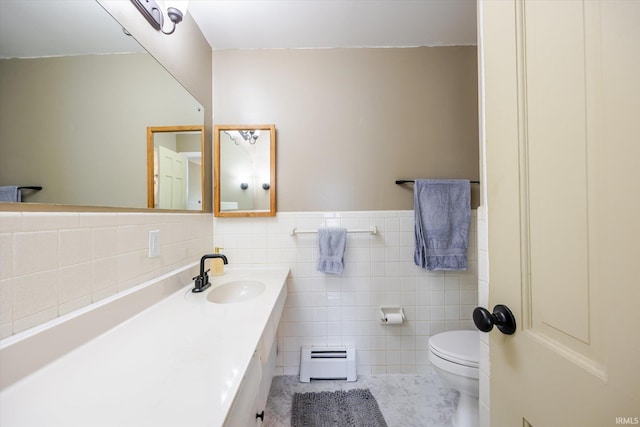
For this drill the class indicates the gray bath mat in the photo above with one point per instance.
(353, 408)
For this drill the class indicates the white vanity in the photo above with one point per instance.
(183, 361)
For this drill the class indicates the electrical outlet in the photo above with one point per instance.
(154, 243)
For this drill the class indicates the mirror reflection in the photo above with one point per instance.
(244, 170)
(174, 167)
(75, 106)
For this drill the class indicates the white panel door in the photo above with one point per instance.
(172, 184)
(562, 123)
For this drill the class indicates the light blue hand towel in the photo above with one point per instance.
(442, 219)
(10, 193)
(331, 244)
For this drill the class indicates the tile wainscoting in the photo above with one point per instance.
(54, 263)
(325, 309)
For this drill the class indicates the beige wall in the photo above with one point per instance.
(351, 121)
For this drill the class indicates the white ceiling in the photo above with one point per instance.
(35, 28)
(255, 24)
(40, 28)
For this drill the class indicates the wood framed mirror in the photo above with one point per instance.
(244, 170)
(175, 168)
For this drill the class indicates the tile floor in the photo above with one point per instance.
(405, 400)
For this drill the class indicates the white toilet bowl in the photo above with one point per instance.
(455, 356)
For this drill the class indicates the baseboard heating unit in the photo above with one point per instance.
(327, 363)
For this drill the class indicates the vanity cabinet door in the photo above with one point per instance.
(244, 409)
(268, 362)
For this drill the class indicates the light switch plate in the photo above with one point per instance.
(154, 243)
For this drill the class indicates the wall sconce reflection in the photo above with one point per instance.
(250, 136)
(153, 13)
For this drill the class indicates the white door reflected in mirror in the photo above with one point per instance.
(174, 167)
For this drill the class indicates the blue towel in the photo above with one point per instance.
(10, 193)
(442, 219)
(331, 244)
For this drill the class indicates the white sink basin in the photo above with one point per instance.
(236, 291)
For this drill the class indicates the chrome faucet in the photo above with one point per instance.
(202, 280)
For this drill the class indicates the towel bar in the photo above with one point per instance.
(405, 181)
(372, 230)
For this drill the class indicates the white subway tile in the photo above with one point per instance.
(74, 282)
(334, 314)
(35, 293)
(319, 314)
(45, 221)
(290, 344)
(35, 252)
(319, 329)
(437, 298)
(69, 306)
(334, 330)
(6, 301)
(305, 330)
(75, 246)
(131, 238)
(35, 319)
(10, 222)
(6, 260)
(452, 325)
(451, 297)
(105, 242)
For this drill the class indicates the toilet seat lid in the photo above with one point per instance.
(461, 347)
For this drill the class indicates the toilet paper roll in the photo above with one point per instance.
(393, 319)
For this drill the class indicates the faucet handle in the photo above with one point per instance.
(204, 274)
(217, 250)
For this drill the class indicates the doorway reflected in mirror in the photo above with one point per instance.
(174, 167)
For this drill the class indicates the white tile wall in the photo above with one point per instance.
(325, 309)
(54, 263)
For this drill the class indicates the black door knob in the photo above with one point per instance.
(501, 317)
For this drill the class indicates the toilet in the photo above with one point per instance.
(455, 356)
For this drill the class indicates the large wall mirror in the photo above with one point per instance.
(244, 170)
(77, 95)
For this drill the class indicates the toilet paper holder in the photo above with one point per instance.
(392, 315)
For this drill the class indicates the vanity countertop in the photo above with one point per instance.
(178, 363)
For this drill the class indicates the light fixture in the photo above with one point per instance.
(150, 9)
(250, 136)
